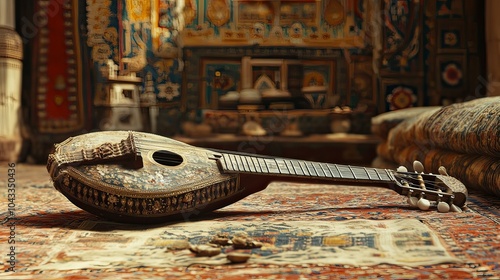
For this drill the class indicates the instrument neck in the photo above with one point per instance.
(233, 162)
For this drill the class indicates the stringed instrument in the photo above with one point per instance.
(137, 177)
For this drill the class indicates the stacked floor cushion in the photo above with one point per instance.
(463, 137)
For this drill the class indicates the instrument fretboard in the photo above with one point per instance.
(240, 163)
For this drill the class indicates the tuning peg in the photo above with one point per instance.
(455, 208)
(418, 166)
(412, 201)
(402, 169)
(442, 171)
(423, 204)
(443, 207)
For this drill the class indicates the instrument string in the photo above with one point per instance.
(153, 144)
(431, 185)
(428, 183)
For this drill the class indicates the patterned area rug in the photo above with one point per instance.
(305, 231)
(355, 242)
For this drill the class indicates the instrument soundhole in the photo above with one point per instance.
(167, 158)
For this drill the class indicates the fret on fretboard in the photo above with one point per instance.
(237, 163)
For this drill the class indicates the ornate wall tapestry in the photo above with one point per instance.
(139, 37)
(56, 82)
(454, 51)
(431, 50)
(58, 90)
(394, 54)
(402, 35)
(285, 23)
(317, 75)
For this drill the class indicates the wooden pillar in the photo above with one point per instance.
(11, 55)
(492, 24)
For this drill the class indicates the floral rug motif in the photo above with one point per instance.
(405, 242)
(307, 231)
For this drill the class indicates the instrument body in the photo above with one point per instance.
(139, 177)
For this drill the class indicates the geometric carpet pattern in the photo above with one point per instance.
(341, 228)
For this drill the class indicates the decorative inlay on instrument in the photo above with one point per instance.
(139, 177)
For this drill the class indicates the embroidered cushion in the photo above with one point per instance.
(463, 137)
